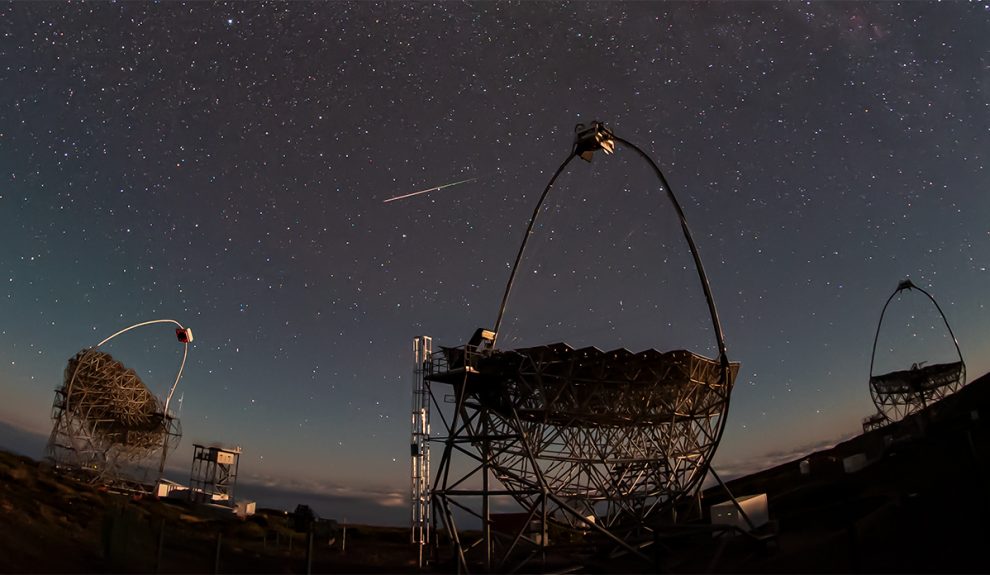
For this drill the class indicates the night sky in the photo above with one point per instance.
(226, 166)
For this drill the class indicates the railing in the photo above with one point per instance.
(455, 359)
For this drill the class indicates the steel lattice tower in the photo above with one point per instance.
(419, 446)
(214, 474)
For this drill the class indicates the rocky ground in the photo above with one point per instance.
(51, 524)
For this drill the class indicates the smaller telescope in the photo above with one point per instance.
(900, 393)
(106, 418)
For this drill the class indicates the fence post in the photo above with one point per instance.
(309, 553)
(161, 547)
(216, 562)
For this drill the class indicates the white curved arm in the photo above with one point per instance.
(185, 353)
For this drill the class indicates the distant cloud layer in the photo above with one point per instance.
(771, 459)
(22, 441)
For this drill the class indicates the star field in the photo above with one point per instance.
(225, 165)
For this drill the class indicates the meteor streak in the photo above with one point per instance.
(433, 189)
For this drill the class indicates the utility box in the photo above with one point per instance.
(854, 463)
(166, 487)
(755, 507)
(244, 508)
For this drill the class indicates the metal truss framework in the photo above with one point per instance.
(107, 423)
(601, 446)
(583, 439)
(106, 419)
(901, 393)
(874, 422)
(419, 447)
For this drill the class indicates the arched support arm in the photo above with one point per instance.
(723, 357)
(706, 287)
(522, 247)
(909, 285)
(182, 364)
